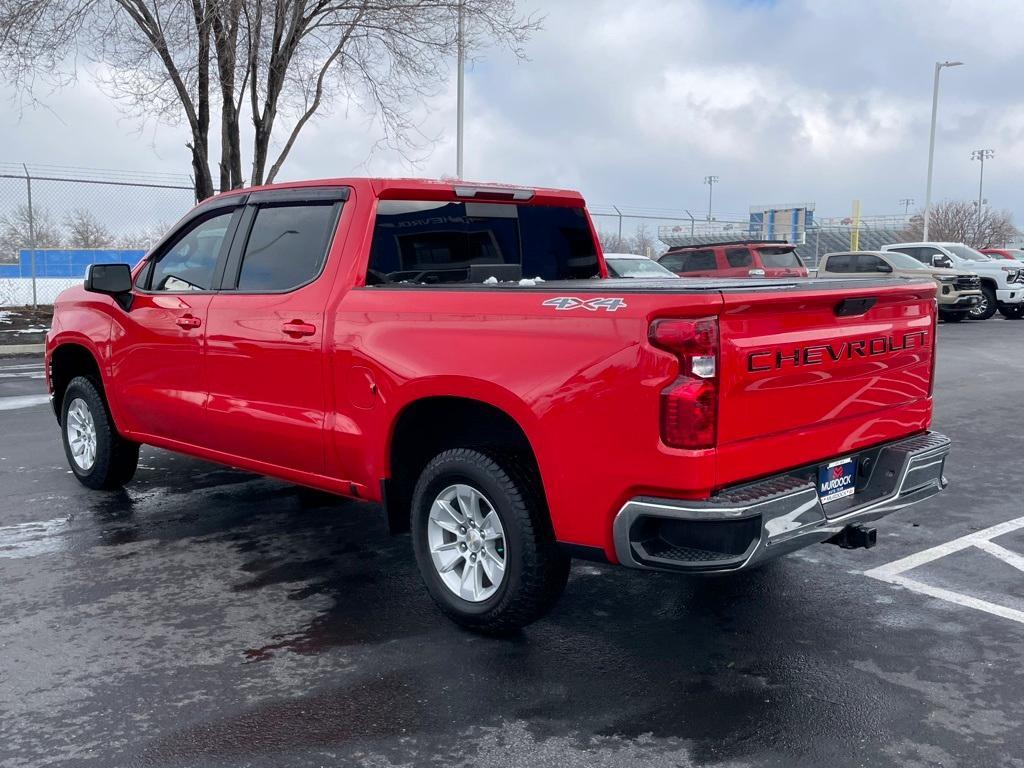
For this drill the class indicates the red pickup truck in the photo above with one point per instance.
(457, 352)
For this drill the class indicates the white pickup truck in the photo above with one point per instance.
(1002, 283)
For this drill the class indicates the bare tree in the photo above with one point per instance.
(612, 243)
(85, 231)
(642, 242)
(957, 221)
(15, 231)
(145, 238)
(282, 61)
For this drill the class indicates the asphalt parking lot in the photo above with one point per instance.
(208, 617)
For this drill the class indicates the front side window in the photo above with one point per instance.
(869, 263)
(672, 262)
(455, 242)
(190, 263)
(964, 252)
(287, 246)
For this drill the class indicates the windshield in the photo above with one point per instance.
(902, 261)
(968, 253)
(779, 257)
(620, 267)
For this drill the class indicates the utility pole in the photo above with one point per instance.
(931, 140)
(710, 181)
(981, 155)
(461, 90)
(906, 202)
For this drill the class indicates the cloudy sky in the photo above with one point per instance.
(635, 101)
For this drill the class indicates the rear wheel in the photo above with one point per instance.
(985, 308)
(99, 457)
(483, 540)
(1012, 311)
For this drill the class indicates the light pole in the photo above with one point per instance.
(982, 155)
(461, 91)
(710, 181)
(931, 140)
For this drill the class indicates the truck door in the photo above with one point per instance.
(157, 354)
(265, 331)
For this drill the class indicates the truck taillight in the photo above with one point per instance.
(689, 406)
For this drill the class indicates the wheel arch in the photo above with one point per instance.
(427, 425)
(68, 360)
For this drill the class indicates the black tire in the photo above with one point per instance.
(536, 569)
(952, 317)
(987, 307)
(116, 458)
(1012, 311)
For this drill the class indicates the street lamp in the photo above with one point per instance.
(710, 181)
(982, 155)
(461, 91)
(931, 140)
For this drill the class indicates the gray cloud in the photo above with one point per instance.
(633, 103)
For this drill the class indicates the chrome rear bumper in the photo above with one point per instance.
(749, 524)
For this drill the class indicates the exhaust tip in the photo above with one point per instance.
(855, 537)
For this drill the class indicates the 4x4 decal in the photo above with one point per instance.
(592, 305)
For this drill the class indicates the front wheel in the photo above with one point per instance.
(1012, 311)
(100, 458)
(985, 308)
(483, 540)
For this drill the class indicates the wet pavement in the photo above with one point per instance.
(208, 617)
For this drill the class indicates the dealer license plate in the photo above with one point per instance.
(837, 479)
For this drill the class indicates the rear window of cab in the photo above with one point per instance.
(434, 242)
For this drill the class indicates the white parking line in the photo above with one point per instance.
(893, 573)
(22, 401)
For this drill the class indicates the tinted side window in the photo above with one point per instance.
(286, 247)
(738, 257)
(672, 261)
(699, 261)
(842, 263)
(868, 263)
(189, 264)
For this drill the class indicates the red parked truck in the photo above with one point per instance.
(457, 352)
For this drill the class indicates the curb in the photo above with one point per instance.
(21, 349)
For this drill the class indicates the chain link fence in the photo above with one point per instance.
(55, 221)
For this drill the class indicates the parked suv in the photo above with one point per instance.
(1002, 283)
(741, 258)
(958, 293)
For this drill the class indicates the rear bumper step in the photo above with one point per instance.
(749, 524)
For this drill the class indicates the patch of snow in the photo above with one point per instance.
(492, 280)
(528, 281)
(5, 317)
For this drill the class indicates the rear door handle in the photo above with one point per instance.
(297, 328)
(189, 321)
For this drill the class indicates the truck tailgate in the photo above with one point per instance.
(813, 372)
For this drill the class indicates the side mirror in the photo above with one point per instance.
(113, 280)
(883, 267)
(940, 260)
